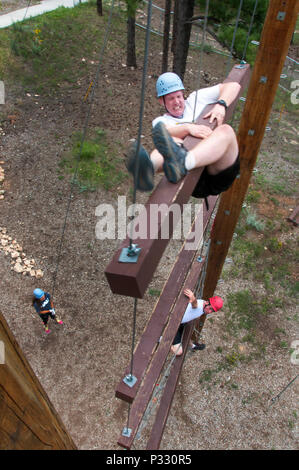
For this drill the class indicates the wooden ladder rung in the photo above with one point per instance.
(154, 328)
(168, 392)
(146, 388)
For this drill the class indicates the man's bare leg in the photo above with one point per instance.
(218, 152)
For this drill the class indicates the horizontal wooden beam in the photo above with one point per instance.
(132, 279)
(154, 328)
(145, 391)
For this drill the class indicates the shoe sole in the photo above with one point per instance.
(170, 165)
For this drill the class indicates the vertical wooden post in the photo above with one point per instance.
(28, 420)
(275, 40)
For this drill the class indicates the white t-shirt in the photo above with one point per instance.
(204, 96)
(192, 313)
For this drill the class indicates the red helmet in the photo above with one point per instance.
(216, 303)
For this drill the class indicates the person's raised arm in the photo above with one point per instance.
(192, 299)
(228, 93)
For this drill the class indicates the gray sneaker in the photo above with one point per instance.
(145, 177)
(174, 155)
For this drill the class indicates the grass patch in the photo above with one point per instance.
(53, 49)
(94, 162)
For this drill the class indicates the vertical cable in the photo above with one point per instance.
(249, 30)
(234, 37)
(81, 146)
(143, 87)
(203, 39)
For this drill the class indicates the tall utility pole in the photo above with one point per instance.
(274, 43)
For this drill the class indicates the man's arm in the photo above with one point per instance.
(191, 296)
(180, 131)
(228, 93)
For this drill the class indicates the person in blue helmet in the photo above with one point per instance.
(43, 305)
(217, 151)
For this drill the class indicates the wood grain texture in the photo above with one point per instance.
(28, 420)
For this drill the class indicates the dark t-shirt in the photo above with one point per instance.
(44, 305)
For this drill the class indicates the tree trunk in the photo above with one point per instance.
(166, 35)
(131, 49)
(100, 7)
(175, 23)
(183, 31)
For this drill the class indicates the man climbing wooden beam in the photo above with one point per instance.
(132, 279)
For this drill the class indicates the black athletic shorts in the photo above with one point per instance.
(209, 185)
(45, 317)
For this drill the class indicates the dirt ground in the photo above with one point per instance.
(80, 363)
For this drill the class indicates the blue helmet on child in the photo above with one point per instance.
(168, 82)
(38, 293)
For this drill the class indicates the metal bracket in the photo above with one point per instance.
(127, 432)
(281, 15)
(130, 380)
(129, 254)
(241, 65)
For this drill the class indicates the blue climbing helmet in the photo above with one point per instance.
(38, 293)
(168, 82)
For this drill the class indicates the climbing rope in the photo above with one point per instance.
(28, 5)
(130, 377)
(203, 39)
(273, 400)
(249, 30)
(234, 37)
(95, 84)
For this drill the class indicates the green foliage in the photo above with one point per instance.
(49, 51)
(224, 14)
(132, 6)
(94, 163)
(242, 310)
(252, 221)
(26, 41)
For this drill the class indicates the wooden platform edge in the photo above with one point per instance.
(154, 328)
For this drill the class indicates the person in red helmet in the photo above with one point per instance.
(196, 308)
